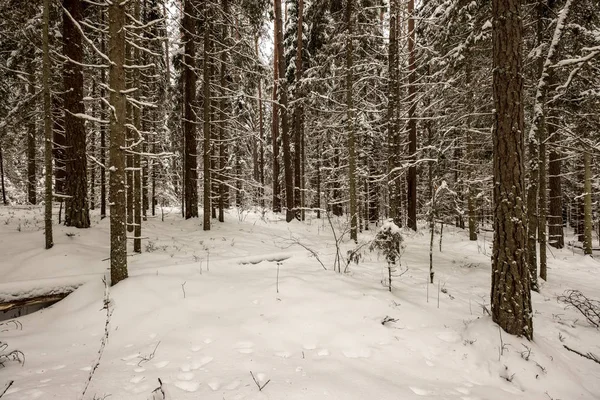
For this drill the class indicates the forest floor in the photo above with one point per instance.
(246, 312)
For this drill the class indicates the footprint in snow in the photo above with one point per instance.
(185, 376)
(323, 352)
(161, 364)
(201, 362)
(462, 390)
(214, 384)
(245, 347)
(233, 385)
(187, 386)
(137, 379)
(357, 353)
(419, 391)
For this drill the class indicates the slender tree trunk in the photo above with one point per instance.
(275, 125)
(31, 134)
(189, 122)
(77, 212)
(4, 201)
(261, 130)
(102, 133)
(392, 118)
(47, 130)
(555, 217)
(222, 114)
(118, 229)
(206, 110)
(412, 122)
(298, 114)
(283, 100)
(587, 203)
(510, 294)
(350, 122)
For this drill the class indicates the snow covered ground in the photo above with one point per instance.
(207, 311)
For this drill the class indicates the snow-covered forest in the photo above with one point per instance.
(299, 199)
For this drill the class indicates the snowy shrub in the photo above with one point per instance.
(7, 355)
(389, 242)
(589, 308)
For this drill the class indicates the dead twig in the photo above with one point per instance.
(260, 387)
(589, 356)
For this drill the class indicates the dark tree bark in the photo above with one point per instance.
(76, 212)
(275, 128)
(350, 123)
(4, 201)
(510, 294)
(118, 229)
(47, 129)
(206, 112)
(555, 215)
(392, 119)
(298, 116)
(190, 162)
(412, 122)
(285, 134)
(31, 133)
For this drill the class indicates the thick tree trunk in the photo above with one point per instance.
(392, 119)
(298, 115)
(350, 123)
(77, 212)
(587, 203)
(47, 130)
(206, 113)
(283, 100)
(275, 127)
(412, 122)
(102, 133)
(137, 167)
(118, 229)
(510, 294)
(190, 163)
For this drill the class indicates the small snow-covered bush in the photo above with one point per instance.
(7, 355)
(389, 242)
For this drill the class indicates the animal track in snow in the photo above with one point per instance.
(357, 353)
(419, 391)
(185, 376)
(161, 364)
(245, 347)
(137, 379)
(187, 386)
(214, 384)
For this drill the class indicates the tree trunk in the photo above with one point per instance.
(283, 100)
(350, 122)
(555, 217)
(102, 133)
(47, 130)
(261, 130)
(189, 118)
(298, 114)
(4, 201)
(412, 122)
(222, 114)
(206, 113)
(137, 167)
(118, 229)
(510, 294)
(31, 161)
(392, 119)
(275, 126)
(76, 212)
(587, 203)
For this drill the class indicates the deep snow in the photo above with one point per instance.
(201, 310)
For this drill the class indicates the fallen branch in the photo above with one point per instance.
(588, 307)
(260, 388)
(589, 356)
(8, 385)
